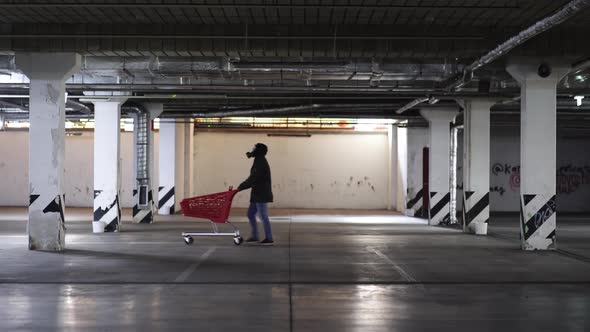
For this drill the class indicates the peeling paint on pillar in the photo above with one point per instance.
(41, 212)
(52, 94)
(47, 73)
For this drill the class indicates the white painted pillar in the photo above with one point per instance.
(47, 73)
(401, 168)
(439, 163)
(2, 122)
(417, 139)
(189, 148)
(171, 165)
(392, 167)
(476, 164)
(538, 149)
(144, 208)
(107, 208)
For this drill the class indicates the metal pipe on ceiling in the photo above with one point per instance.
(566, 12)
(291, 109)
(264, 111)
(412, 104)
(13, 105)
(78, 106)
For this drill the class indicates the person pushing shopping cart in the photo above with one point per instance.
(261, 184)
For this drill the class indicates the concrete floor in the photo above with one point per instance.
(373, 273)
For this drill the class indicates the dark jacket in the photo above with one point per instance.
(259, 181)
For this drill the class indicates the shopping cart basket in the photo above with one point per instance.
(214, 207)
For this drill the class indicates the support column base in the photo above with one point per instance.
(144, 215)
(107, 212)
(476, 212)
(538, 221)
(439, 212)
(46, 224)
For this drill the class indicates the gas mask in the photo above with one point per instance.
(259, 150)
(250, 154)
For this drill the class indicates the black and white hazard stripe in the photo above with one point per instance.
(166, 199)
(54, 205)
(537, 221)
(143, 216)
(439, 212)
(107, 211)
(476, 208)
(414, 205)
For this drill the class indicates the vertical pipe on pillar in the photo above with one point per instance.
(107, 207)
(143, 193)
(47, 73)
(142, 208)
(538, 149)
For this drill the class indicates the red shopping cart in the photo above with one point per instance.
(214, 207)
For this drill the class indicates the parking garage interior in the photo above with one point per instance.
(429, 165)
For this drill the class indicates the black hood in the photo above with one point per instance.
(260, 150)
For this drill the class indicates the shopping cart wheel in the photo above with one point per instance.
(238, 240)
(188, 240)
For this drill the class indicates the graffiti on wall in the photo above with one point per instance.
(569, 177)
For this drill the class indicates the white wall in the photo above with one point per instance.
(14, 168)
(79, 187)
(325, 161)
(322, 171)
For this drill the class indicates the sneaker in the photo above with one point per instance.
(267, 242)
(252, 239)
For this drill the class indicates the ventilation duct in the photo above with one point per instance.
(566, 12)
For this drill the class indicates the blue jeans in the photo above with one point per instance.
(262, 210)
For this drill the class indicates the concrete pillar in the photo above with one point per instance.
(107, 208)
(47, 73)
(439, 163)
(400, 161)
(476, 164)
(538, 150)
(143, 164)
(417, 139)
(171, 164)
(2, 122)
(392, 167)
(189, 148)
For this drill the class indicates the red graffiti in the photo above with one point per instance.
(569, 178)
(568, 184)
(515, 180)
